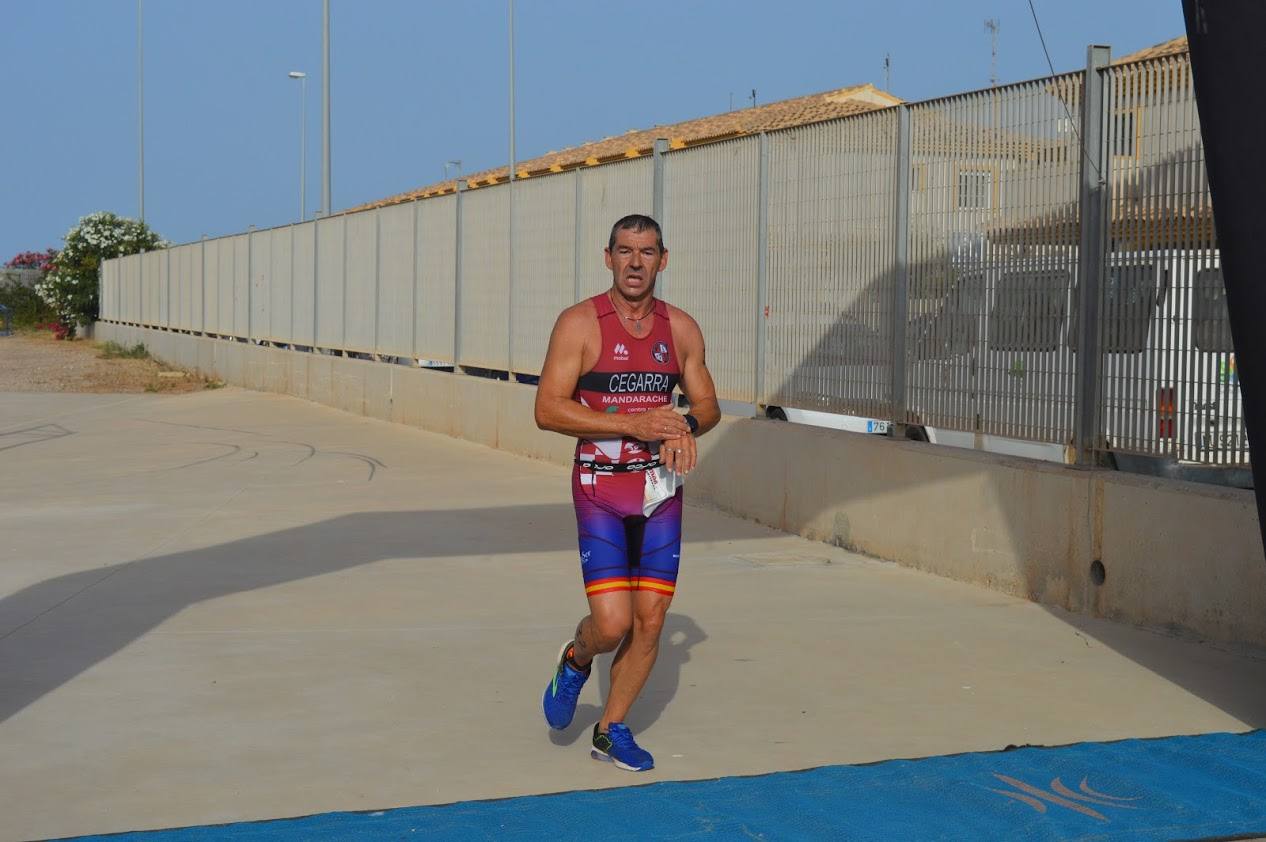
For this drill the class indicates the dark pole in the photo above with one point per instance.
(1226, 38)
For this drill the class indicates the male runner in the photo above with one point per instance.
(608, 378)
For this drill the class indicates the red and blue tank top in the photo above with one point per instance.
(631, 375)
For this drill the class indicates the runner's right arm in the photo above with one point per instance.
(559, 412)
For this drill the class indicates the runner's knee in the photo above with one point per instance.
(648, 624)
(610, 630)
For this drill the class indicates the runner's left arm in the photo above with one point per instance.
(680, 454)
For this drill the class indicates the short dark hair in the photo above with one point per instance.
(637, 223)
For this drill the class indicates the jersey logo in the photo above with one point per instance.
(621, 351)
(660, 352)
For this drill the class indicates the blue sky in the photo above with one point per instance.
(417, 83)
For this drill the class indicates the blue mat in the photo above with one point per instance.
(1203, 787)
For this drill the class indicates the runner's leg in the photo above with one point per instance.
(655, 580)
(604, 563)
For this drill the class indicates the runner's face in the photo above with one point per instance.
(635, 261)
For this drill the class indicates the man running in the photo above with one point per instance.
(608, 378)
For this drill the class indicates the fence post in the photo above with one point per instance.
(762, 269)
(250, 283)
(510, 285)
(657, 186)
(377, 273)
(1092, 200)
(290, 328)
(202, 319)
(342, 336)
(457, 281)
(413, 294)
(167, 315)
(316, 278)
(901, 275)
(657, 198)
(579, 231)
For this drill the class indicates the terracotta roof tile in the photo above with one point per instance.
(1172, 47)
(815, 108)
(799, 111)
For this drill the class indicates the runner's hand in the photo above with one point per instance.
(679, 454)
(657, 424)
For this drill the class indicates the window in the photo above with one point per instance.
(952, 329)
(1131, 294)
(919, 177)
(975, 189)
(1028, 310)
(1211, 325)
(1124, 137)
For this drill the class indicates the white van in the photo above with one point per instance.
(998, 351)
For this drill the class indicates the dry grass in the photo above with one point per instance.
(33, 361)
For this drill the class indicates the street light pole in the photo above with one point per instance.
(303, 141)
(140, 111)
(512, 163)
(325, 113)
(510, 202)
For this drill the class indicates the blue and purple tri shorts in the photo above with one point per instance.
(620, 548)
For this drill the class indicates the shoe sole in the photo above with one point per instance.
(598, 754)
(561, 653)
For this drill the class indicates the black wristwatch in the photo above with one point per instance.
(693, 422)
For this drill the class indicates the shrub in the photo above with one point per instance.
(42, 260)
(71, 287)
(25, 305)
(113, 350)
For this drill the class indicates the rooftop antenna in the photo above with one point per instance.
(753, 97)
(991, 26)
(887, 71)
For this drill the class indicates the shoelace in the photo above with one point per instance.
(569, 685)
(621, 736)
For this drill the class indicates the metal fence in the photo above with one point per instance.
(993, 257)
(928, 263)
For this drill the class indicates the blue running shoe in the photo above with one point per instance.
(617, 746)
(563, 691)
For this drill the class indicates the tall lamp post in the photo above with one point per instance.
(510, 202)
(140, 109)
(326, 199)
(303, 140)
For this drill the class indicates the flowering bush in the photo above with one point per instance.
(26, 307)
(42, 260)
(60, 331)
(71, 287)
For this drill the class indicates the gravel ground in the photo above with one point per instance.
(36, 362)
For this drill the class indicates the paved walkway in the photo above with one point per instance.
(228, 606)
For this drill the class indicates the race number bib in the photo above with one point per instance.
(660, 484)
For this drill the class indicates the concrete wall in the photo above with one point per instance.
(1181, 556)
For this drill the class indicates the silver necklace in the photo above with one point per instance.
(636, 320)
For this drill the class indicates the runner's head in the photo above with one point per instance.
(635, 254)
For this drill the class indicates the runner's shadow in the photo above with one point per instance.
(679, 635)
(54, 630)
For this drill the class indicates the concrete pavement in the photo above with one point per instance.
(231, 605)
